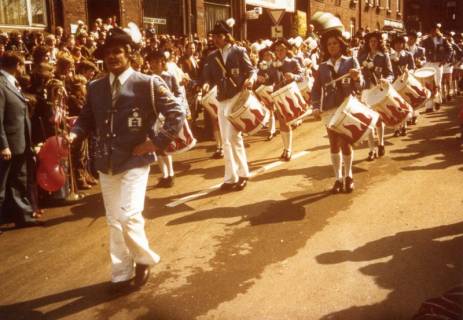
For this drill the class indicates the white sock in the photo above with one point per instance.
(290, 140)
(272, 124)
(348, 160)
(170, 165)
(336, 160)
(371, 140)
(163, 166)
(218, 139)
(284, 138)
(381, 134)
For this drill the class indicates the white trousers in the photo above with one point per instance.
(124, 198)
(236, 163)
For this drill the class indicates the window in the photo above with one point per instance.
(23, 12)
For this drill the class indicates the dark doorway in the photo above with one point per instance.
(103, 9)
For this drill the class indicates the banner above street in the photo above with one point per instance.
(288, 5)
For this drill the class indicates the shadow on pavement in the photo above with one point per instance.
(420, 264)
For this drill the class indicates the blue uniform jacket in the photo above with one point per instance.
(335, 94)
(118, 130)
(440, 53)
(239, 68)
(381, 68)
(401, 61)
(288, 65)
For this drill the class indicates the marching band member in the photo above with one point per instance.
(231, 70)
(158, 65)
(402, 60)
(324, 97)
(438, 53)
(376, 68)
(419, 55)
(267, 57)
(284, 70)
(121, 114)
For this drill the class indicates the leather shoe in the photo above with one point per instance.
(372, 155)
(349, 185)
(121, 286)
(381, 151)
(218, 154)
(242, 183)
(227, 186)
(270, 136)
(337, 188)
(142, 273)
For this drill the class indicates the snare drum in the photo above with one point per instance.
(264, 93)
(305, 87)
(353, 119)
(183, 142)
(248, 115)
(385, 100)
(427, 77)
(411, 90)
(290, 103)
(210, 102)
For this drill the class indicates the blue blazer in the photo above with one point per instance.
(239, 68)
(381, 68)
(335, 94)
(440, 53)
(406, 60)
(133, 118)
(290, 65)
(15, 126)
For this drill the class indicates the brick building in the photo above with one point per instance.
(423, 14)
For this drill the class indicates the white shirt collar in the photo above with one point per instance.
(11, 79)
(122, 77)
(337, 64)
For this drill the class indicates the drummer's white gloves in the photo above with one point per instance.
(248, 83)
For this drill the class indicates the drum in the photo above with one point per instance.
(264, 93)
(210, 102)
(247, 114)
(290, 103)
(353, 120)
(306, 88)
(411, 90)
(427, 77)
(183, 142)
(385, 100)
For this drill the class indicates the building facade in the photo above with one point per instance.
(423, 14)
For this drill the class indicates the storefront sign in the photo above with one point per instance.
(393, 24)
(288, 5)
(148, 20)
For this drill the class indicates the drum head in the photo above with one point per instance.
(425, 72)
(375, 95)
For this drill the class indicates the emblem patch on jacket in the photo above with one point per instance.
(134, 120)
(235, 72)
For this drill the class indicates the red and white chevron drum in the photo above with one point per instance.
(183, 142)
(412, 90)
(211, 103)
(264, 93)
(290, 103)
(427, 77)
(390, 105)
(353, 119)
(247, 113)
(306, 88)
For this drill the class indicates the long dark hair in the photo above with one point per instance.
(366, 46)
(324, 43)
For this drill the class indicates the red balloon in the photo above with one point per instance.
(51, 177)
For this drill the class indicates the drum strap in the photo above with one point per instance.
(225, 72)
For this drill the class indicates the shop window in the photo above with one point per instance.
(23, 13)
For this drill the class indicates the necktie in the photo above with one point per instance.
(115, 90)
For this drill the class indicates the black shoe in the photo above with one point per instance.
(414, 120)
(437, 107)
(337, 188)
(428, 111)
(218, 154)
(372, 155)
(241, 184)
(349, 185)
(270, 136)
(121, 287)
(165, 182)
(381, 151)
(227, 186)
(142, 274)
(396, 133)
(286, 155)
(403, 132)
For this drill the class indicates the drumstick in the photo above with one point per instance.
(336, 80)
